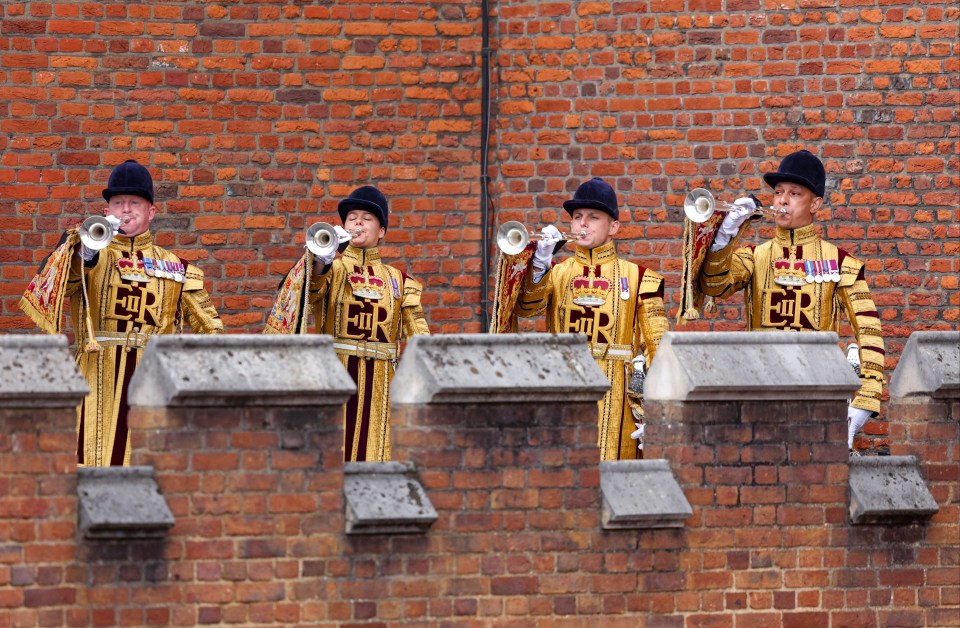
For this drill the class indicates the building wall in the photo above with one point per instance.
(256, 117)
(257, 492)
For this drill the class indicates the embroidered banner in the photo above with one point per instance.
(511, 269)
(697, 238)
(288, 315)
(43, 299)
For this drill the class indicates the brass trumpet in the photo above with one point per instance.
(96, 233)
(699, 205)
(513, 237)
(322, 238)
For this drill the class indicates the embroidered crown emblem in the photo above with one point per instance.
(132, 269)
(789, 272)
(365, 286)
(590, 291)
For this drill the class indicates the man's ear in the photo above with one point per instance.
(614, 227)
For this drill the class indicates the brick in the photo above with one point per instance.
(390, 94)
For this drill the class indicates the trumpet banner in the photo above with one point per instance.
(511, 270)
(289, 312)
(43, 299)
(697, 238)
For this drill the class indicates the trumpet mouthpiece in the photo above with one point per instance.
(126, 219)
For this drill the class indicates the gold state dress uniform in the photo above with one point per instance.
(134, 290)
(616, 304)
(367, 306)
(799, 281)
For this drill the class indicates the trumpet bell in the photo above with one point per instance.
(512, 237)
(96, 233)
(322, 239)
(699, 205)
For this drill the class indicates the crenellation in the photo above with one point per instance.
(768, 516)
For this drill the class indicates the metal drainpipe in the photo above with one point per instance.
(484, 179)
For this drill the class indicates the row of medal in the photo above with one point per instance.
(133, 269)
(822, 270)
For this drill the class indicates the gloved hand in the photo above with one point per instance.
(544, 254)
(342, 235)
(856, 417)
(326, 259)
(732, 222)
(638, 434)
(88, 254)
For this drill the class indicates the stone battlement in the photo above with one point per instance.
(496, 510)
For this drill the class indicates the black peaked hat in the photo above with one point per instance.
(129, 178)
(367, 198)
(594, 194)
(802, 167)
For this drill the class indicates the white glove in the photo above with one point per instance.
(544, 255)
(637, 434)
(856, 418)
(327, 258)
(342, 235)
(88, 254)
(733, 221)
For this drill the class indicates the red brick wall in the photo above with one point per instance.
(255, 117)
(257, 493)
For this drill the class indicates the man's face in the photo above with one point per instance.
(134, 212)
(600, 227)
(795, 205)
(370, 231)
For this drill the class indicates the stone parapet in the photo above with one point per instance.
(272, 528)
(497, 369)
(39, 372)
(929, 367)
(247, 369)
(741, 366)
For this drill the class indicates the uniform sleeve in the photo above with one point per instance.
(535, 297)
(651, 319)
(73, 277)
(727, 271)
(198, 309)
(411, 311)
(319, 288)
(858, 306)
